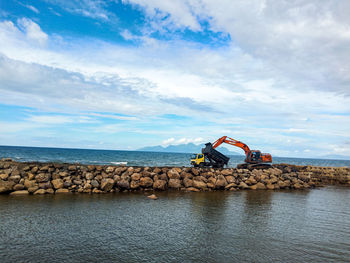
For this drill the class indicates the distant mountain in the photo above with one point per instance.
(184, 148)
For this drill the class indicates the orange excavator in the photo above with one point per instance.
(213, 158)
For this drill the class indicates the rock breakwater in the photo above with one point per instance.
(48, 178)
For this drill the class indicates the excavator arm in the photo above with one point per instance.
(228, 140)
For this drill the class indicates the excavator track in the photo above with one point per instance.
(252, 166)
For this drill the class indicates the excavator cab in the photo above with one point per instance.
(197, 160)
(255, 156)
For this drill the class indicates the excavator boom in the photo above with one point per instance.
(228, 140)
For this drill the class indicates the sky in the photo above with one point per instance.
(124, 74)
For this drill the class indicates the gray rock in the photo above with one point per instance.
(42, 177)
(95, 183)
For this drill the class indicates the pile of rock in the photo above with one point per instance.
(49, 178)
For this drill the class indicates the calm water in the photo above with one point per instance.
(132, 158)
(245, 226)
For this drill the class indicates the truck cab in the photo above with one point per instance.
(197, 159)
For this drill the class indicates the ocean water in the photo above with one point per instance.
(133, 158)
(243, 226)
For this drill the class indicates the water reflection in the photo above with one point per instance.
(257, 206)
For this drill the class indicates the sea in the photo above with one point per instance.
(134, 158)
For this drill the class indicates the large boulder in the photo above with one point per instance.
(192, 189)
(107, 184)
(49, 191)
(95, 184)
(72, 167)
(173, 174)
(220, 182)
(186, 175)
(110, 169)
(270, 186)
(211, 180)
(123, 184)
(273, 179)
(159, 185)
(298, 186)
(243, 185)
(40, 192)
(45, 185)
(226, 172)
(258, 186)
(14, 178)
(3, 176)
(230, 179)
(251, 180)
(134, 184)
(62, 191)
(231, 185)
(146, 182)
(284, 184)
(89, 176)
(174, 183)
(199, 184)
(188, 182)
(200, 178)
(33, 189)
(135, 176)
(57, 183)
(6, 186)
(163, 176)
(18, 187)
(42, 177)
(195, 171)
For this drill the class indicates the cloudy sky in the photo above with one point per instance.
(133, 73)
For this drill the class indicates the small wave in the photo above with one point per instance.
(119, 163)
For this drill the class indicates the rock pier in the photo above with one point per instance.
(55, 178)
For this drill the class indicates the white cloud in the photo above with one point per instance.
(31, 30)
(184, 140)
(50, 119)
(94, 9)
(168, 141)
(34, 9)
(304, 40)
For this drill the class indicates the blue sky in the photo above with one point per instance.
(135, 73)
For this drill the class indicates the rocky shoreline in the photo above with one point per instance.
(18, 178)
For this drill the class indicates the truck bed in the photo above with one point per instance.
(215, 157)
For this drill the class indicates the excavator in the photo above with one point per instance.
(213, 158)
